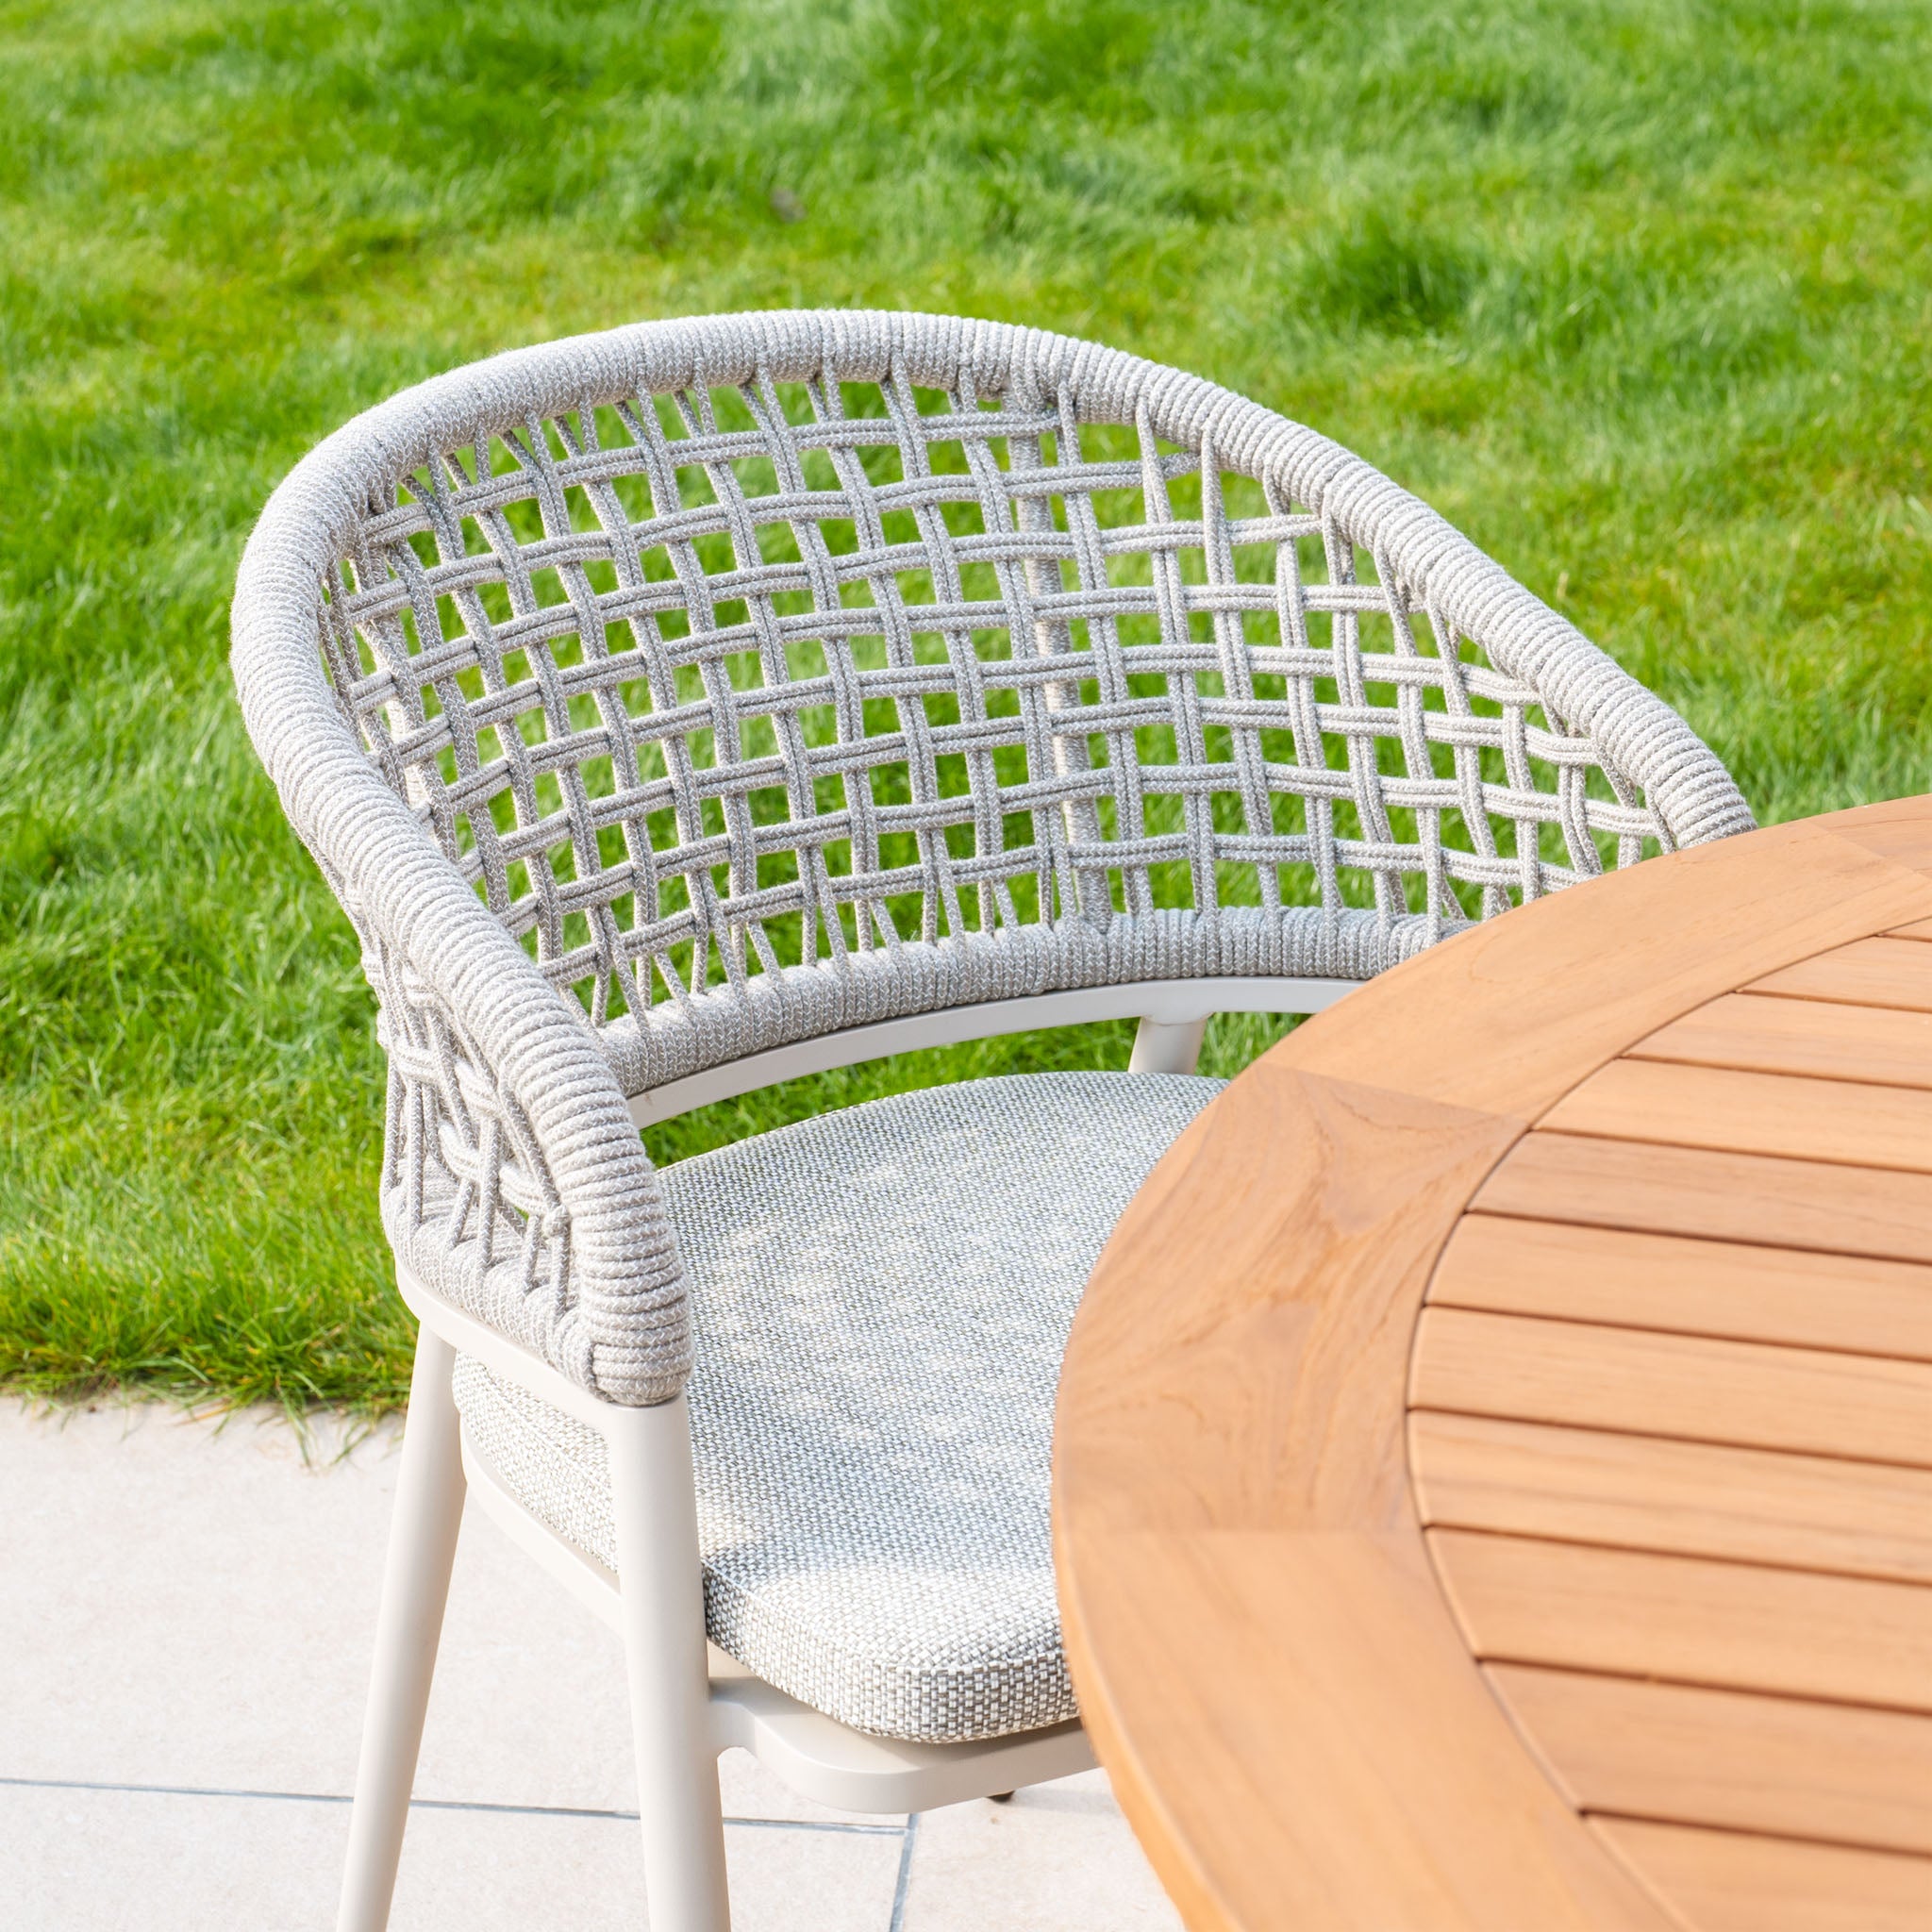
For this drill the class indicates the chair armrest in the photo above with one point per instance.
(514, 1182)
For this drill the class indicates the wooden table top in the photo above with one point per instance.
(1492, 1475)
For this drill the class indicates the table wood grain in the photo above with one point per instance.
(1492, 1475)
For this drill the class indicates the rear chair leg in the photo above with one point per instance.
(1167, 1046)
(661, 1585)
(415, 1585)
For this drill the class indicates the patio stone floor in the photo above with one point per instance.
(186, 1616)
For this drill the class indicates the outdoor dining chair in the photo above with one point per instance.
(693, 707)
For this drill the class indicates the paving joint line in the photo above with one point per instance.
(905, 1877)
(79, 1784)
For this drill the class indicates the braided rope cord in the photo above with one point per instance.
(770, 673)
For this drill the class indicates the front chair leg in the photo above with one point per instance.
(415, 1585)
(660, 1583)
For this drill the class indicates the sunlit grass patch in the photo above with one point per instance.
(1634, 294)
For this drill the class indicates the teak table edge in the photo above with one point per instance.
(1229, 1440)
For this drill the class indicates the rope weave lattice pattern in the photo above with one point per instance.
(911, 667)
(770, 674)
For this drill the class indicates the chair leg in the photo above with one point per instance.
(1167, 1046)
(415, 1585)
(661, 1584)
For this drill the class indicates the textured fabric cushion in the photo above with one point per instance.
(881, 1299)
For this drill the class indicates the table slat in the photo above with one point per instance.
(1838, 1773)
(1878, 972)
(1747, 1393)
(1758, 1198)
(1646, 1492)
(1740, 1626)
(1723, 1109)
(1633, 1280)
(1775, 1036)
(1733, 1881)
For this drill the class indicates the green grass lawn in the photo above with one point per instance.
(1639, 294)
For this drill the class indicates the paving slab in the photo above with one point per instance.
(187, 1611)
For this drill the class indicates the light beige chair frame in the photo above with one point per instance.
(527, 1222)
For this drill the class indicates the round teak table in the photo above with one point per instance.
(1493, 1467)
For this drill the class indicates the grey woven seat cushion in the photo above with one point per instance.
(881, 1299)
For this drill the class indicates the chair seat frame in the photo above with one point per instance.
(690, 1702)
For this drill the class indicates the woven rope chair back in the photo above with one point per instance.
(768, 676)
(812, 637)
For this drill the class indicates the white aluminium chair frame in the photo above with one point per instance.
(689, 1701)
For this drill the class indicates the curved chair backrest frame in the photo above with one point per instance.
(780, 677)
